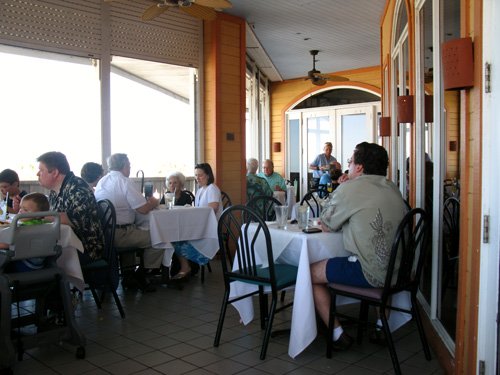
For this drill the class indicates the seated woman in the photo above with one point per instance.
(207, 195)
(175, 184)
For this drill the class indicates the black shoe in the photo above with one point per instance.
(377, 337)
(130, 282)
(344, 342)
(165, 275)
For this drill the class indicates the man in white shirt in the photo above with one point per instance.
(127, 200)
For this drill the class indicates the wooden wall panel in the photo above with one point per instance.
(451, 100)
(224, 103)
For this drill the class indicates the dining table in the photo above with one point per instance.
(294, 247)
(184, 223)
(68, 261)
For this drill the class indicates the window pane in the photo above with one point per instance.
(354, 131)
(50, 102)
(150, 122)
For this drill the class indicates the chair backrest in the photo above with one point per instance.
(107, 216)
(322, 191)
(312, 202)
(263, 206)
(190, 194)
(34, 241)
(408, 251)
(451, 226)
(241, 231)
(226, 201)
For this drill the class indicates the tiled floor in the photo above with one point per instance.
(171, 332)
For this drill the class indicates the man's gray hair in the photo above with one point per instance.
(117, 162)
(252, 165)
(179, 176)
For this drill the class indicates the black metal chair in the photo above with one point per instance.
(48, 286)
(226, 201)
(322, 191)
(238, 229)
(312, 202)
(451, 237)
(263, 206)
(102, 274)
(190, 194)
(408, 251)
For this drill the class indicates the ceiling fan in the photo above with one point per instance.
(319, 79)
(203, 9)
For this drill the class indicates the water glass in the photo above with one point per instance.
(3, 210)
(169, 200)
(303, 213)
(281, 216)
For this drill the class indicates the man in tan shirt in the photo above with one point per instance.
(368, 209)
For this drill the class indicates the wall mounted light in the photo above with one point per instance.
(405, 109)
(458, 64)
(384, 127)
(277, 147)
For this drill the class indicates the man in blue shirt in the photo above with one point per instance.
(275, 181)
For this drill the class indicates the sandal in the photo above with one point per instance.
(181, 276)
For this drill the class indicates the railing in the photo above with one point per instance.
(158, 185)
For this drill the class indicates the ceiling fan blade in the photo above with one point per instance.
(336, 78)
(199, 11)
(153, 11)
(218, 4)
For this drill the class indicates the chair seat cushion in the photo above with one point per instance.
(374, 293)
(286, 275)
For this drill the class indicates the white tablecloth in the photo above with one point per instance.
(195, 224)
(294, 247)
(68, 261)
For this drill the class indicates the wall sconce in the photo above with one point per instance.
(405, 109)
(277, 147)
(384, 127)
(458, 64)
(428, 108)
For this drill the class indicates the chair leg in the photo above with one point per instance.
(421, 332)
(222, 315)
(363, 321)
(269, 326)
(331, 324)
(283, 294)
(263, 307)
(97, 300)
(118, 304)
(390, 343)
(203, 271)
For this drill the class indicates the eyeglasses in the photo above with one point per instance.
(349, 161)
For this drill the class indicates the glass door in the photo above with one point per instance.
(355, 125)
(308, 130)
(318, 129)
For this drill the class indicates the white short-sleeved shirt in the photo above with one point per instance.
(209, 194)
(124, 195)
